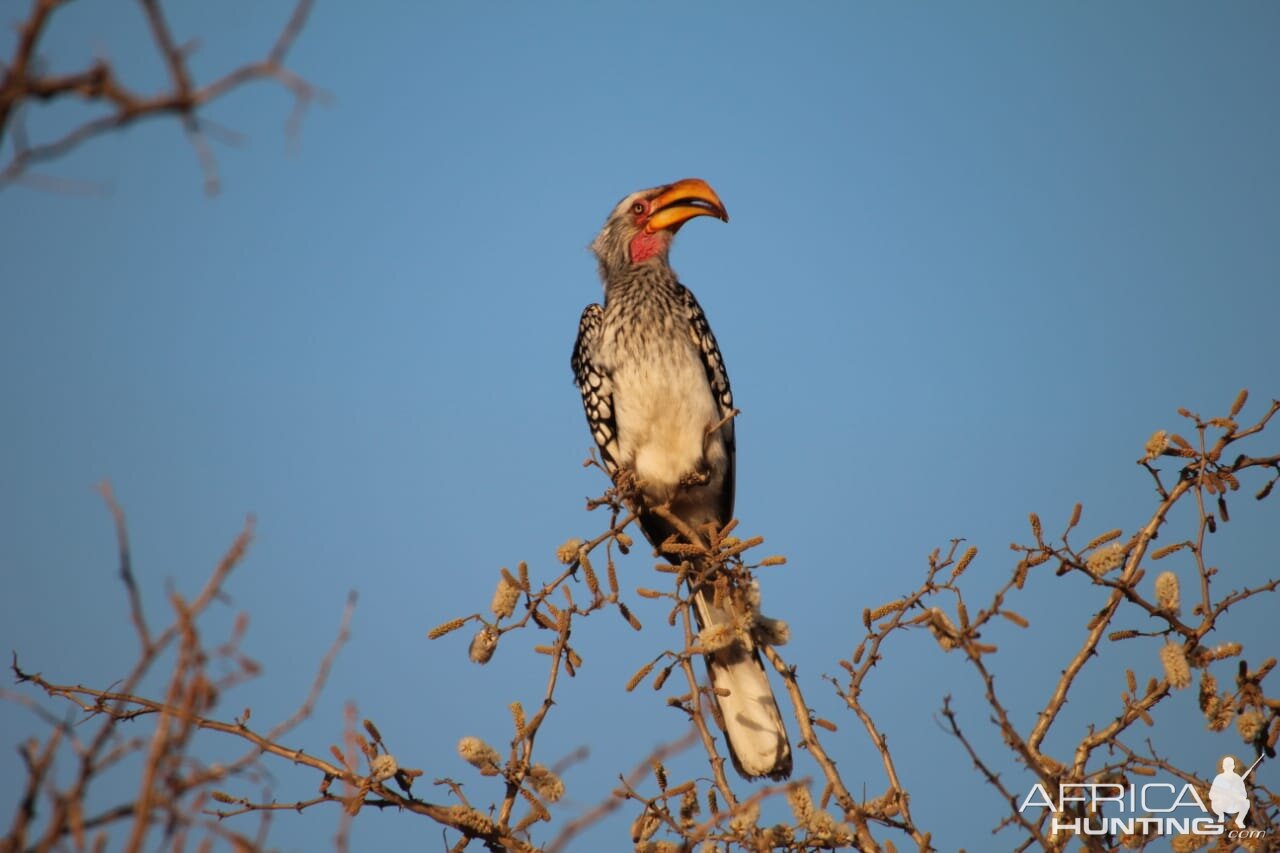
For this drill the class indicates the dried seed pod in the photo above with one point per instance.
(1208, 693)
(1015, 618)
(1103, 539)
(644, 826)
(885, 609)
(483, 645)
(660, 775)
(373, 731)
(713, 638)
(1161, 553)
(1249, 725)
(1226, 713)
(547, 784)
(382, 767)
(1240, 400)
(746, 818)
(1156, 445)
(504, 597)
(629, 616)
(943, 629)
(801, 803)
(1106, 559)
(440, 630)
(470, 819)
(479, 754)
(772, 632)
(568, 552)
(639, 676)
(593, 583)
(1168, 595)
(965, 560)
(1176, 669)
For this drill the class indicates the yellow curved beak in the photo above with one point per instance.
(682, 201)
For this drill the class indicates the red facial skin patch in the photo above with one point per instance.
(645, 245)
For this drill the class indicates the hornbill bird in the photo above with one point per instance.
(658, 403)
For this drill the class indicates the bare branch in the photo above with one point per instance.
(99, 84)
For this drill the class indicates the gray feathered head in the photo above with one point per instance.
(642, 225)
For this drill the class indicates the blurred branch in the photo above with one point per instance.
(100, 84)
(126, 566)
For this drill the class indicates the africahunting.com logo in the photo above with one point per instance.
(1152, 808)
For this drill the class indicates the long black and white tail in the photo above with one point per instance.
(757, 738)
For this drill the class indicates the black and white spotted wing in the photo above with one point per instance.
(705, 341)
(718, 378)
(596, 387)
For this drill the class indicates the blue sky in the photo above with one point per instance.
(977, 254)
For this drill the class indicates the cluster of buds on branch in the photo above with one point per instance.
(1170, 624)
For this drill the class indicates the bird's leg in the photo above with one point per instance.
(627, 484)
(699, 476)
(626, 492)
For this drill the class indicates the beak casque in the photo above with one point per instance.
(677, 203)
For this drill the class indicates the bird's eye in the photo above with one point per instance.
(638, 208)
